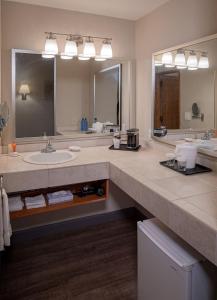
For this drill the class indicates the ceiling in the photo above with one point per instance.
(125, 9)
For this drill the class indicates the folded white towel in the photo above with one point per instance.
(15, 204)
(34, 202)
(59, 197)
(5, 225)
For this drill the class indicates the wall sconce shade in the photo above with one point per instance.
(51, 46)
(192, 61)
(89, 48)
(24, 91)
(167, 58)
(63, 55)
(204, 61)
(82, 57)
(180, 60)
(106, 50)
(71, 48)
(46, 55)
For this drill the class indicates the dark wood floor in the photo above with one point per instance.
(96, 263)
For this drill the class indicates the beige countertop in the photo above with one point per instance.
(186, 204)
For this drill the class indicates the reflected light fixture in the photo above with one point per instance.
(24, 91)
(89, 48)
(192, 62)
(203, 61)
(180, 60)
(51, 47)
(158, 63)
(167, 59)
(106, 50)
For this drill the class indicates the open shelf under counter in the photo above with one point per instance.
(93, 198)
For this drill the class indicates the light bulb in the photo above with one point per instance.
(89, 48)
(167, 58)
(106, 50)
(180, 60)
(51, 46)
(192, 62)
(71, 48)
(204, 61)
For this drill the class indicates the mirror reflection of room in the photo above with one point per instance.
(185, 83)
(69, 97)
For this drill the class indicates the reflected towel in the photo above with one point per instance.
(5, 225)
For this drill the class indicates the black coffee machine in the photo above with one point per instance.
(133, 138)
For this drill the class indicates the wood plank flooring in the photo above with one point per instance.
(96, 263)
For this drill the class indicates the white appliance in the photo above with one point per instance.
(169, 269)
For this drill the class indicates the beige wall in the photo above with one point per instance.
(173, 23)
(23, 27)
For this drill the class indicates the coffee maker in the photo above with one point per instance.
(133, 138)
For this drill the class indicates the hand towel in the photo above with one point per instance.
(5, 225)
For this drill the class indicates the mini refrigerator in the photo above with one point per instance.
(169, 269)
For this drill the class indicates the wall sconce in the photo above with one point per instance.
(24, 91)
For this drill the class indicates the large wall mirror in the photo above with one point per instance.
(185, 86)
(51, 96)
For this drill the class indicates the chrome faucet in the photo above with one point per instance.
(49, 148)
(207, 135)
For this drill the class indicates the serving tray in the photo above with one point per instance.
(124, 148)
(197, 170)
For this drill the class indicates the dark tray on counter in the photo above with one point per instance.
(124, 148)
(197, 170)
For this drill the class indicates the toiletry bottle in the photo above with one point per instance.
(82, 124)
(85, 124)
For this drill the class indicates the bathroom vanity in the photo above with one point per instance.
(184, 204)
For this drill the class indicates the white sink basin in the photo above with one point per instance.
(57, 157)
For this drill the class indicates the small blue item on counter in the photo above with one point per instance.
(85, 124)
(82, 124)
(2, 122)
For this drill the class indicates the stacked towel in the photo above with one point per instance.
(15, 204)
(5, 225)
(59, 197)
(35, 202)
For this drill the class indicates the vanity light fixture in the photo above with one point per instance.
(24, 91)
(180, 60)
(192, 62)
(71, 46)
(89, 48)
(51, 47)
(203, 61)
(106, 50)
